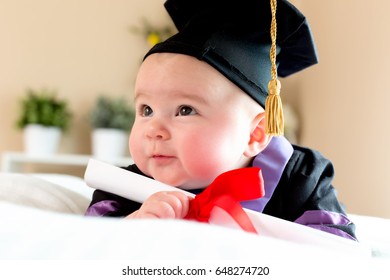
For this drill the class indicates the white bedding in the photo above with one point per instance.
(42, 218)
(59, 193)
(36, 234)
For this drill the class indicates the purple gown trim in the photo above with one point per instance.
(101, 208)
(272, 162)
(321, 219)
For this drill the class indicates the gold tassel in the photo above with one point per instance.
(274, 120)
(274, 110)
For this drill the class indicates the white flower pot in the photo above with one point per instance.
(41, 140)
(109, 143)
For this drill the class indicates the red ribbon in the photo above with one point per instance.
(226, 191)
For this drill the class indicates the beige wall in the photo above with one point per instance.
(80, 48)
(83, 48)
(344, 100)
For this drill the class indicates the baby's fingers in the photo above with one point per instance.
(167, 205)
(163, 205)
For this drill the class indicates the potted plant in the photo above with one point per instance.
(43, 118)
(111, 120)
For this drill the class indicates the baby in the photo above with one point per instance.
(200, 100)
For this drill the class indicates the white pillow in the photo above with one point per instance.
(375, 232)
(43, 235)
(28, 190)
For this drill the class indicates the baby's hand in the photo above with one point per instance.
(163, 205)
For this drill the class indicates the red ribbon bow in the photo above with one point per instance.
(226, 191)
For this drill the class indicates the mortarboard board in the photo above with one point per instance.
(238, 38)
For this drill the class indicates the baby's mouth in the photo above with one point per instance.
(162, 158)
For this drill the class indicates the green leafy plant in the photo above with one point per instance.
(112, 113)
(43, 107)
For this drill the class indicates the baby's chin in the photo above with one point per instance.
(181, 182)
(185, 185)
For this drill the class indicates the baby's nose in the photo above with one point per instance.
(157, 130)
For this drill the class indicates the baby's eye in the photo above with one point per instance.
(185, 110)
(146, 111)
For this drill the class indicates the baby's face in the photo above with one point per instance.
(191, 123)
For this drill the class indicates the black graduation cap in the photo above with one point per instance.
(234, 37)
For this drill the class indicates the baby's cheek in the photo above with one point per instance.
(136, 149)
(205, 162)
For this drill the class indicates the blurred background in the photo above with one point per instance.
(82, 49)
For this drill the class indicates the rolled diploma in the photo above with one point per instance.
(109, 178)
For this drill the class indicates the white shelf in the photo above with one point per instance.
(14, 161)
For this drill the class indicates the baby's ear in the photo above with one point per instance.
(258, 139)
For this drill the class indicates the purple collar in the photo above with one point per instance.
(272, 162)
